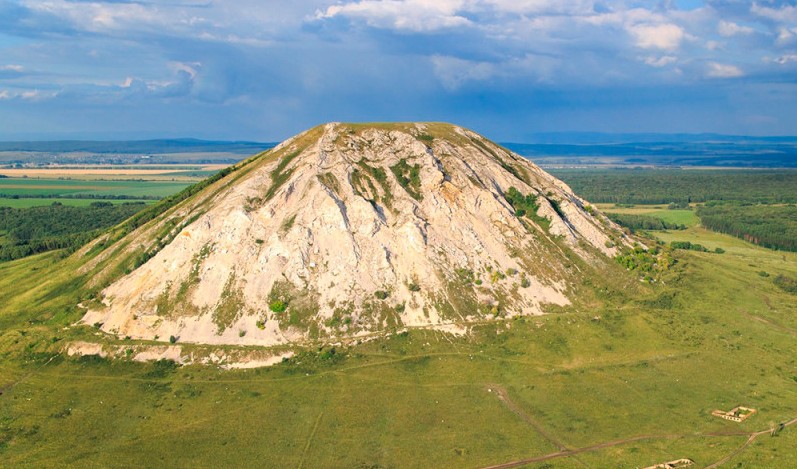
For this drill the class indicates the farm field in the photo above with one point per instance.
(74, 187)
(108, 171)
(631, 379)
(97, 182)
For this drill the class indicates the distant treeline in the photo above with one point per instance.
(774, 227)
(732, 153)
(158, 146)
(80, 196)
(642, 222)
(27, 231)
(655, 186)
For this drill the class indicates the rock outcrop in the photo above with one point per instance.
(351, 229)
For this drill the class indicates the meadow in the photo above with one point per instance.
(86, 188)
(627, 376)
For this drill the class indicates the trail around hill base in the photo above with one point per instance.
(565, 452)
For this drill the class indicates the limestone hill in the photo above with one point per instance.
(351, 229)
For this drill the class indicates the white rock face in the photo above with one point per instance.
(352, 230)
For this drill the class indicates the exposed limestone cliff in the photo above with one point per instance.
(349, 229)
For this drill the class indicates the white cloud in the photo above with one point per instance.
(12, 68)
(785, 35)
(729, 28)
(662, 61)
(96, 16)
(190, 68)
(5, 95)
(714, 45)
(784, 14)
(784, 59)
(659, 36)
(431, 15)
(410, 15)
(535, 7)
(718, 70)
(36, 95)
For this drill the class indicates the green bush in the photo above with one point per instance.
(785, 283)
(172, 339)
(381, 294)
(409, 177)
(688, 246)
(278, 306)
(642, 222)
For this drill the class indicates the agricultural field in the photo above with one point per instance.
(23, 188)
(79, 185)
(629, 375)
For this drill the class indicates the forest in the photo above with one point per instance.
(664, 186)
(642, 222)
(774, 227)
(26, 231)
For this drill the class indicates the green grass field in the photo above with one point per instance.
(23, 187)
(624, 379)
(680, 217)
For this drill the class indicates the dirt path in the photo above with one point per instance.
(587, 449)
(747, 443)
(310, 440)
(504, 397)
(771, 323)
(564, 452)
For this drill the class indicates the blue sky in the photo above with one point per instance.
(264, 70)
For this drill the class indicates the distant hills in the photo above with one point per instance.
(157, 146)
(596, 138)
(547, 149)
(660, 150)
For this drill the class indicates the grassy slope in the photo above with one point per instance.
(725, 338)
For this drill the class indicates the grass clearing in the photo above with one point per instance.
(679, 217)
(646, 377)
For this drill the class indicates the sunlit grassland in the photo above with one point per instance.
(677, 216)
(713, 334)
(74, 187)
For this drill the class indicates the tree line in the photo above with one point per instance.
(27, 231)
(770, 226)
(664, 186)
(643, 222)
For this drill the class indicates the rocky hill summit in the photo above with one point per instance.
(347, 230)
